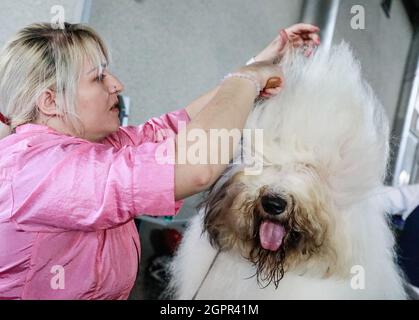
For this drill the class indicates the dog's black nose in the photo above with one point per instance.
(273, 204)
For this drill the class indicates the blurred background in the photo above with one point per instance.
(169, 52)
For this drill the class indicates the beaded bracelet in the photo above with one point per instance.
(244, 76)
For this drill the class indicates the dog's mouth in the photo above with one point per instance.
(271, 235)
(272, 208)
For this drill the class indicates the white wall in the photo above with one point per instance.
(168, 52)
(382, 47)
(17, 14)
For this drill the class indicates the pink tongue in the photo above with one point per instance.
(271, 235)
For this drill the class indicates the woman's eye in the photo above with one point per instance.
(100, 77)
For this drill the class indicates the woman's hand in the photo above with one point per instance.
(295, 36)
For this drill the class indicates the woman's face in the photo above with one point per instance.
(96, 102)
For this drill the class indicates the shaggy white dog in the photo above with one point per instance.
(309, 226)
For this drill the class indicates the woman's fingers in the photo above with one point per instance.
(273, 90)
(301, 32)
(268, 93)
(309, 40)
(311, 36)
(297, 42)
(295, 36)
(302, 27)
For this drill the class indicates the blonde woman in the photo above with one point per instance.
(72, 180)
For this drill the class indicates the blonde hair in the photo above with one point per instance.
(41, 57)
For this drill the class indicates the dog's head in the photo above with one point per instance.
(278, 220)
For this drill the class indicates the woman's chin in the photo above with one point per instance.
(115, 126)
(109, 129)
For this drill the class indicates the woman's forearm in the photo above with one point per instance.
(229, 107)
(227, 110)
(197, 105)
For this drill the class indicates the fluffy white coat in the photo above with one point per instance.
(328, 118)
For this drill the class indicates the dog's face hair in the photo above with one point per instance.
(244, 211)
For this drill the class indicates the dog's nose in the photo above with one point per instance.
(273, 205)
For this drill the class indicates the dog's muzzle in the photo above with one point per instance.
(271, 231)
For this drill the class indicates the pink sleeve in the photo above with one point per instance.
(90, 186)
(154, 130)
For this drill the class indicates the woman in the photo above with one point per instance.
(72, 180)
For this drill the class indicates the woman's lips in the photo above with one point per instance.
(114, 107)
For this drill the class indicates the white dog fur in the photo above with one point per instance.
(325, 147)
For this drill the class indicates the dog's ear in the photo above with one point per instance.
(216, 204)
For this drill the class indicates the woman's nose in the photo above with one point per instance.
(116, 85)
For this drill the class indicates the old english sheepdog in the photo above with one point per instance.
(310, 225)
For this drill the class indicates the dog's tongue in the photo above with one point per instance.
(271, 235)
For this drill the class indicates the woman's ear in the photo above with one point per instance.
(46, 103)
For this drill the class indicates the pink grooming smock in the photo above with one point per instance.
(67, 208)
